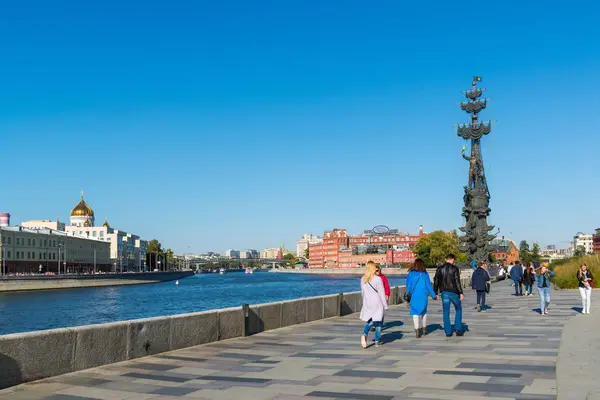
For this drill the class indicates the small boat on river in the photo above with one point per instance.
(249, 270)
(222, 271)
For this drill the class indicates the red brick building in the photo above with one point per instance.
(340, 250)
(596, 241)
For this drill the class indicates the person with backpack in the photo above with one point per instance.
(419, 289)
(529, 279)
(479, 283)
(516, 274)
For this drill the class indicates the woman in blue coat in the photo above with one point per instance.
(418, 285)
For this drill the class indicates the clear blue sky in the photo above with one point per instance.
(244, 124)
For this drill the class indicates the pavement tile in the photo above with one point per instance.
(489, 387)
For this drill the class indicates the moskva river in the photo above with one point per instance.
(32, 311)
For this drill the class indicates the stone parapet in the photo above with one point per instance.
(30, 356)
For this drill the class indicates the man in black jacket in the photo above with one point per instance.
(447, 282)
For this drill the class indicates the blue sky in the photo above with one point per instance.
(237, 124)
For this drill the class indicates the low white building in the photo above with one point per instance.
(27, 250)
(232, 254)
(585, 240)
(302, 244)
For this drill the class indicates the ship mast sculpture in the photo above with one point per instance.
(476, 238)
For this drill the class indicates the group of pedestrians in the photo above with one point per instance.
(446, 285)
(419, 288)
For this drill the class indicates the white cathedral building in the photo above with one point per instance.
(127, 251)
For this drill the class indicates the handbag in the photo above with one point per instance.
(488, 287)
(408, 295)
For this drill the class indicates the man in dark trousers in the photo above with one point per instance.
(447, 282)
(516, 274)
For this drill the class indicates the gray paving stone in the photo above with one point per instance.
(341, 395)
(370, 374)
(155, 377)
(153, 367)
(475, 373)
(489, 387)
(489, 366)
(183, 358)
(175, 391)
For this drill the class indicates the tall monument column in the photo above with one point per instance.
(476, 238)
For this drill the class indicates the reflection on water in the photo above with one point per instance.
(29, 311)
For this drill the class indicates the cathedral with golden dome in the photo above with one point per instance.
(82, 214)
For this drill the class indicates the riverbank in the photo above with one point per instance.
(508, 352)
(31, 283)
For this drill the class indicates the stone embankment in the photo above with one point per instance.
(508, 352)
(35, 355)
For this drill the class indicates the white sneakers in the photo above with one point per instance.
(363, 341)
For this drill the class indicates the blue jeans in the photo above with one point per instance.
(544, 298)
(447, 298)
(377, 325)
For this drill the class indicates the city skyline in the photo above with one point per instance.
(216, 126)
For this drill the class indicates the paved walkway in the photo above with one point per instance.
(509, 352)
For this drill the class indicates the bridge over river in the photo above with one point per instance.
(509, 352)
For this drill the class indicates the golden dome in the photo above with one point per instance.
(87, 223)
(106, 224)
(82, 209)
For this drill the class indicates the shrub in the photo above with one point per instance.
(566, 272)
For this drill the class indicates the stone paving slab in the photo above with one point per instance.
(509, 352)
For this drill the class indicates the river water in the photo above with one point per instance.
(31, 311)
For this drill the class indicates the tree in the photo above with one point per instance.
(154, 247)
(579, 252)
(535, 253)
(434, 247)
(307, 253)
(524, 253)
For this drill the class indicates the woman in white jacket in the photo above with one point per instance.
(374, 303)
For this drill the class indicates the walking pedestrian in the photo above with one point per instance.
(418, 285)
(479, 284)
(543, 283)
(447, 282)
(516, 274)
(374, 303)
(586, 281)
(529, 279)
(386, 289)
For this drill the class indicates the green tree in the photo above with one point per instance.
(524, 252)
(535, 253)
(291, 260)
(154, 247)
(307, 253)
(579, 252)
(434, 247)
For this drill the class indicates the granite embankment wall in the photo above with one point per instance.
(35, 355)
(26, 283)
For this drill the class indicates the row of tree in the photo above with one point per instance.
(528, 255)
(156, 253)
(433, 248)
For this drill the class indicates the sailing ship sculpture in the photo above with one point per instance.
(476, 238)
